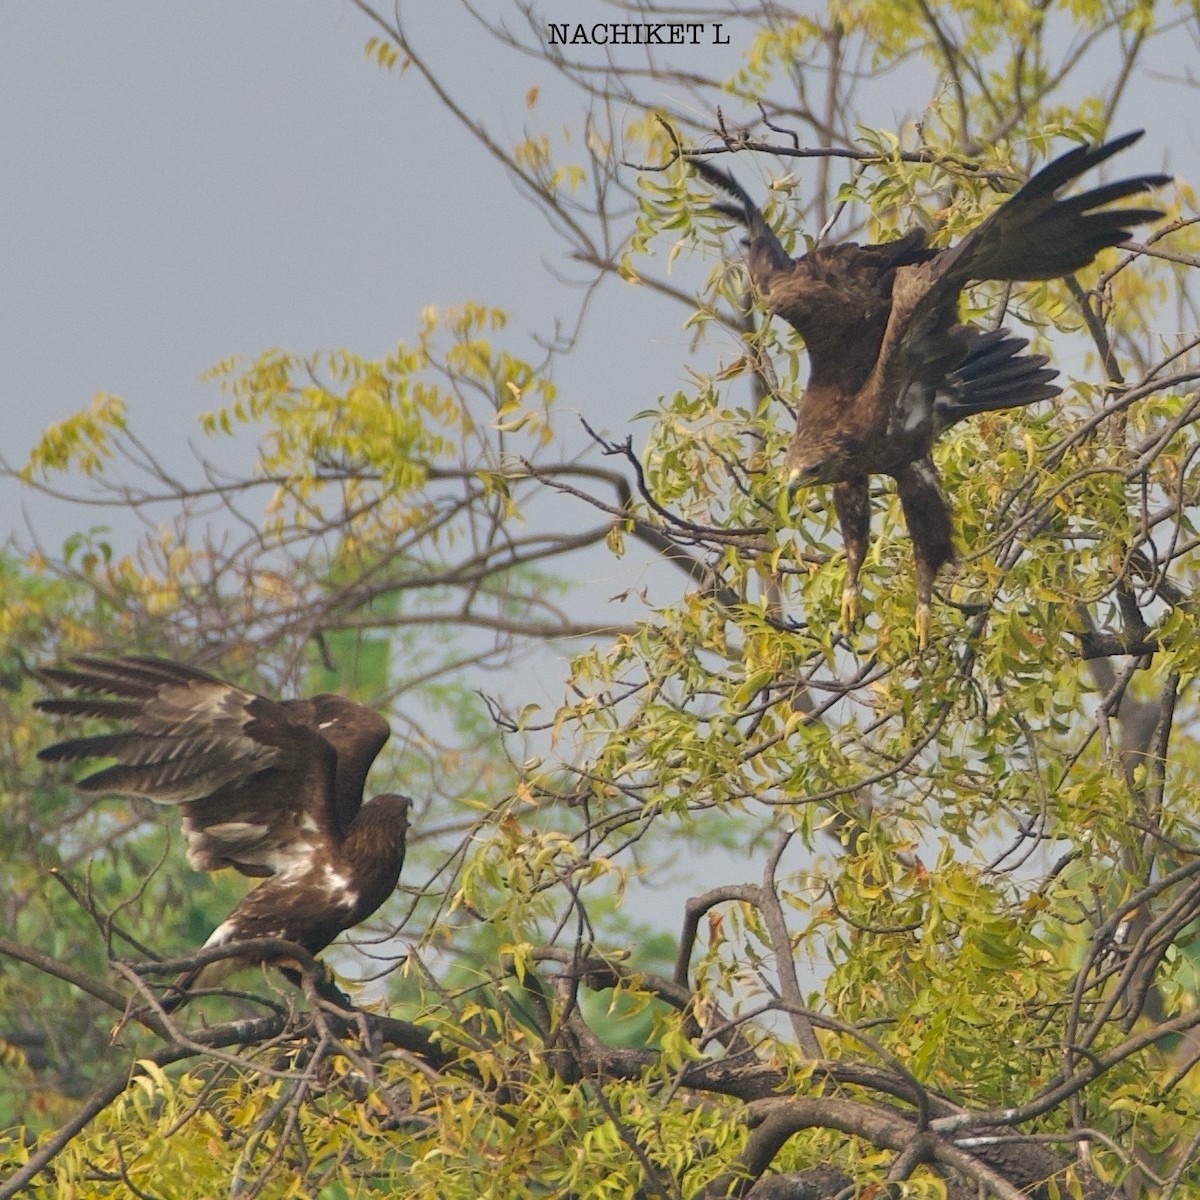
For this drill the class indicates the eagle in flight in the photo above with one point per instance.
(890, 365)
(272, 789)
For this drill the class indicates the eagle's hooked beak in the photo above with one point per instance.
(795, 482)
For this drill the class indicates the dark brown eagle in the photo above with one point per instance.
(269, 788)
(891, 367)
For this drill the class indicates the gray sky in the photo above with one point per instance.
(181, 183)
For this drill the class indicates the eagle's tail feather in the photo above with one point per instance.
(994, 375)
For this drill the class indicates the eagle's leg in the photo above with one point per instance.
(924, 604)
(928, 518)
(852, 504)
(848, 613)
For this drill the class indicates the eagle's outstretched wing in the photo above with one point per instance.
(1033, 235)
(836, 297)
(839, 298)
(255, 784)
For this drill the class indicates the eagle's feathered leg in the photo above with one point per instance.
(927, 515)
(852, 504)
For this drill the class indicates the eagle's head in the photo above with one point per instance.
(825, 458)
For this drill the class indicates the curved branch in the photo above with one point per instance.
(776, 1121)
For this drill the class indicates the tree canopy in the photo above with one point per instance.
(958, 956)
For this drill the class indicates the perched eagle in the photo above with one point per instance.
(890, 366)
(270, 789)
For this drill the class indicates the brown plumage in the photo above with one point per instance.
(272, 789)
(890, 365)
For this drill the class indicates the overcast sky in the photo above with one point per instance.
(185, 182)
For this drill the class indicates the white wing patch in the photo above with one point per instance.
(291, 860)
(221, 934)
(237, 832)
(340, 888)
(915, 415)
(213, 846)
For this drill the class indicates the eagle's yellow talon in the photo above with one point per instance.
(848, 619)
(924, 620)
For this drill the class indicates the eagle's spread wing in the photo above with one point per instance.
(356, 733)
(836, 297)
(995, 374)
(880, 322)
(1033, 235)
(256, 785)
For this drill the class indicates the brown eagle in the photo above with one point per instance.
(269, 788)
(891, 367)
